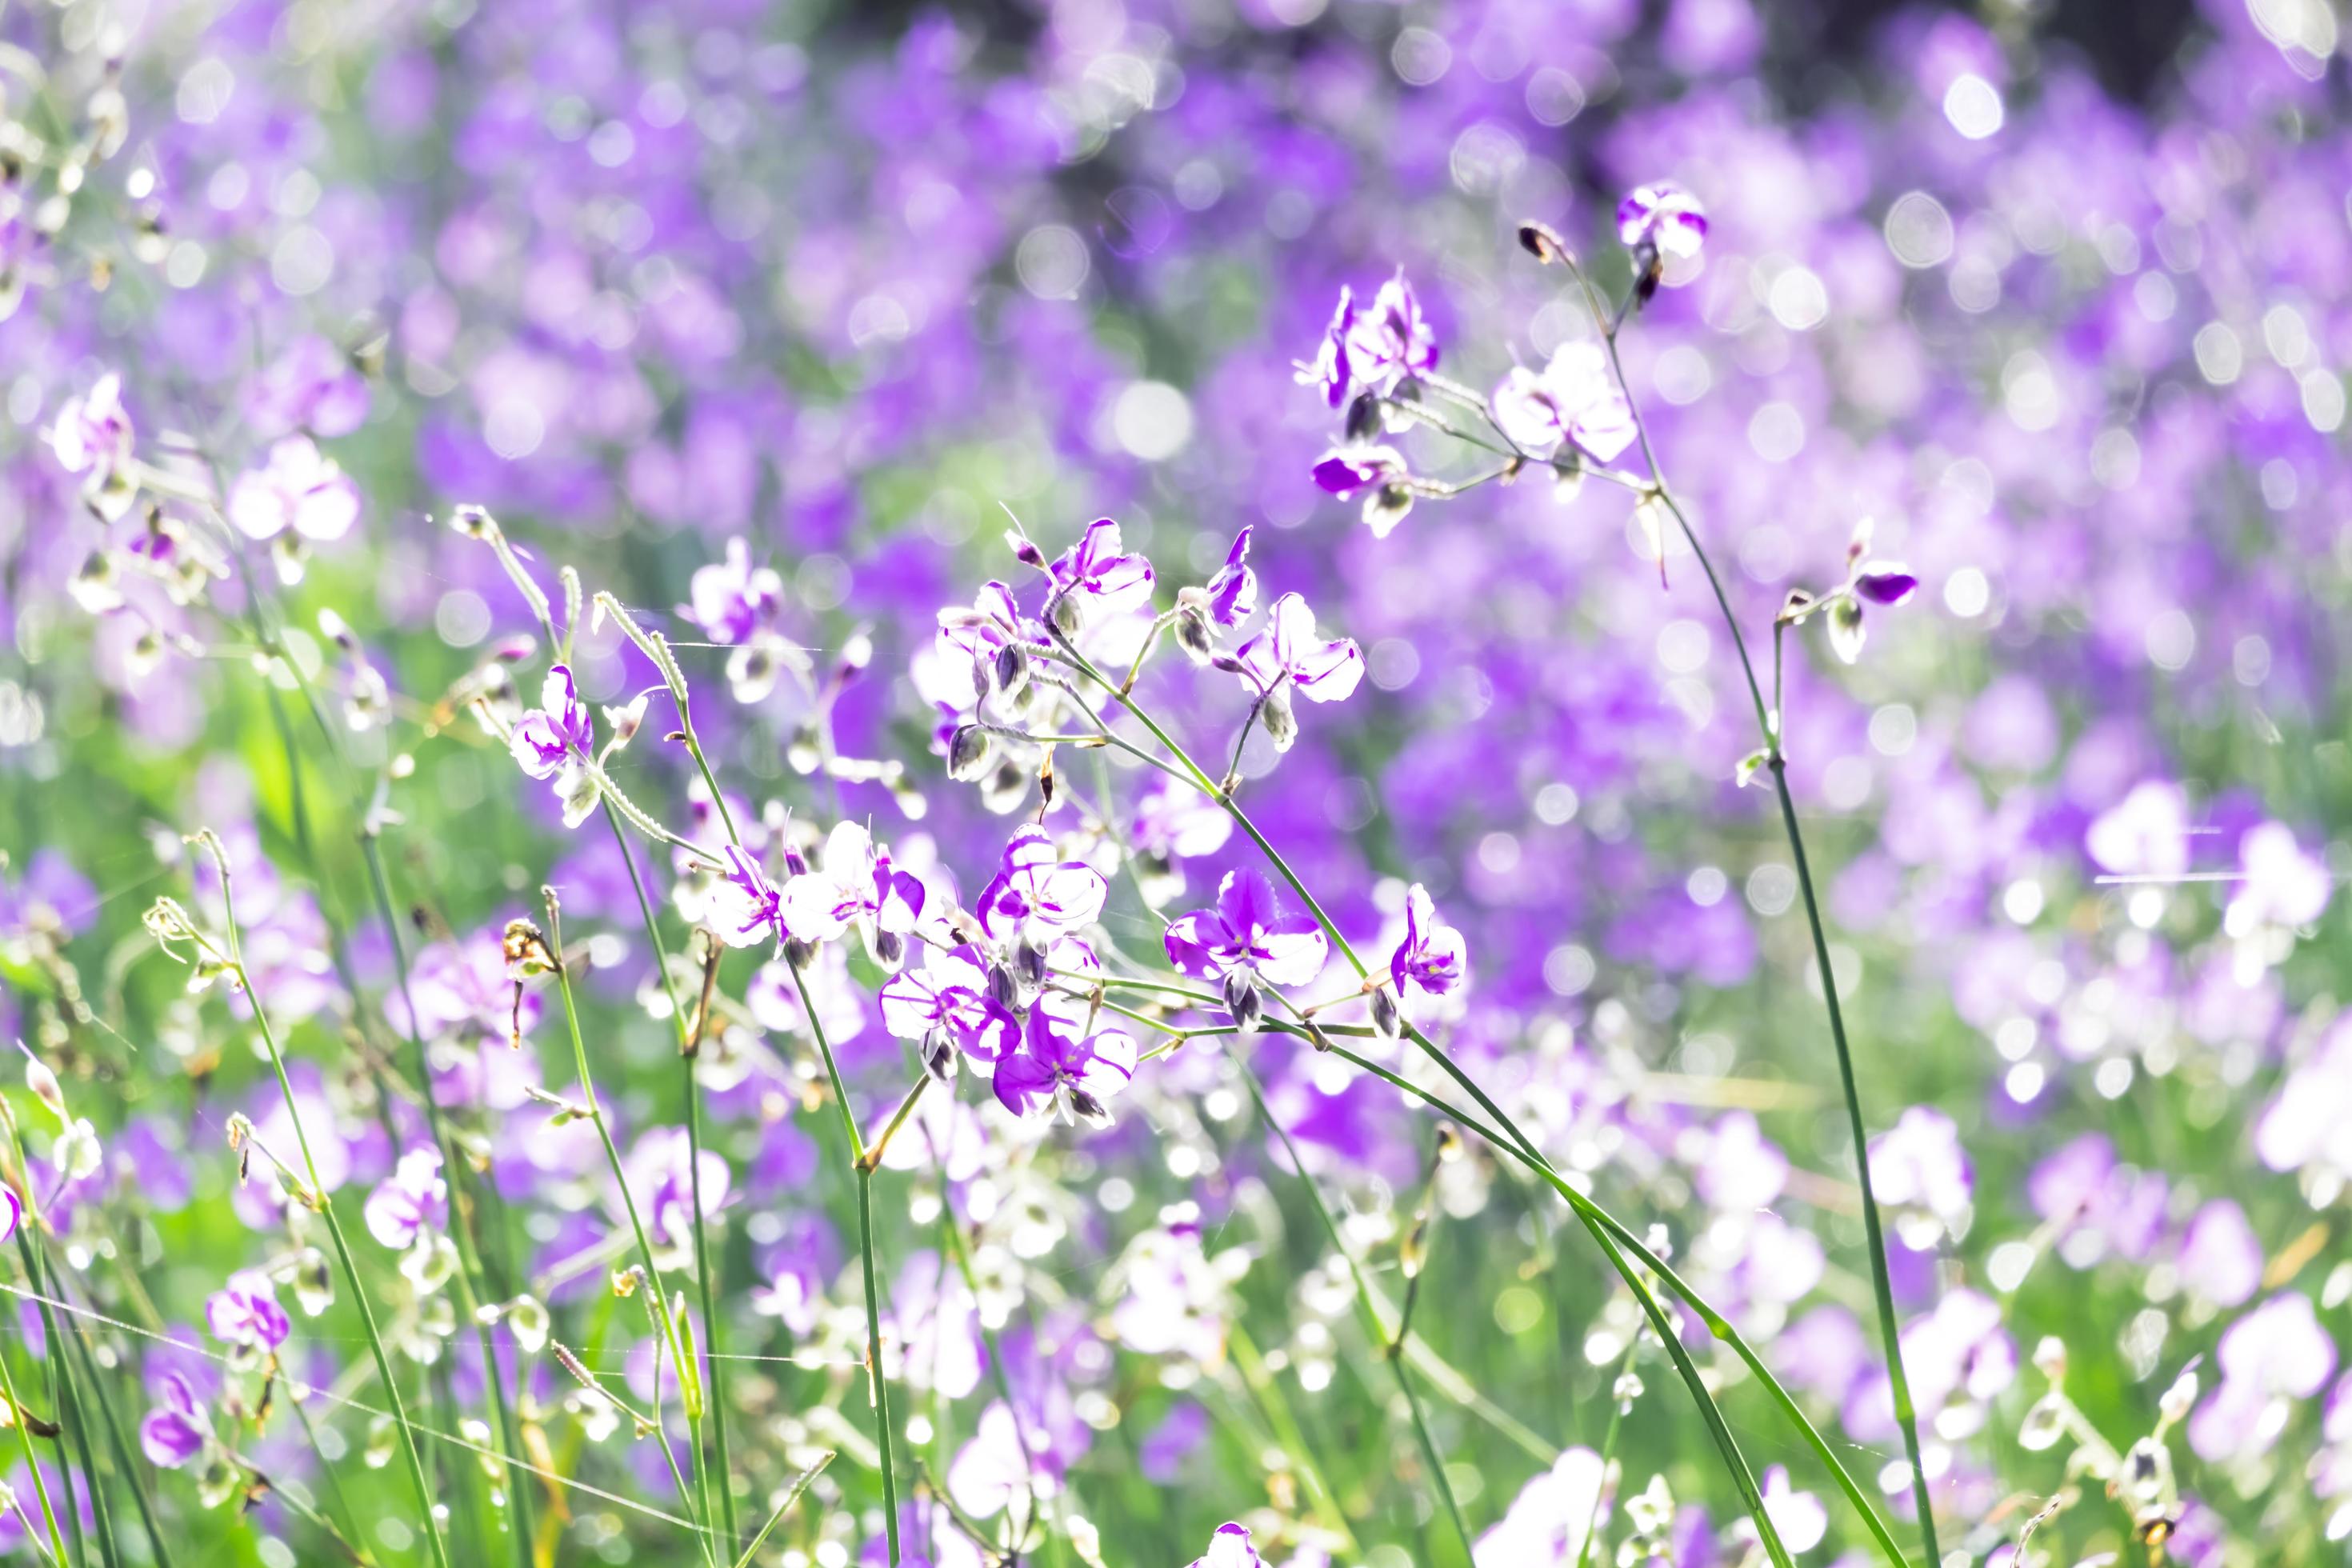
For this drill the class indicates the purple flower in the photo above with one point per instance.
(1884, 583)
(1575, 399)
(661, 1176)
(1085, 1074)
(176, 1430)
(1390, 340)
(411, 1202)
(1034, 898)
(1177, 821)
(1246, 935)
(1344, 471)
(993, 623)
(1288, 649)
(245, 1313)
(12, 1212)
(2274, 1355)
(1094, 575)
(855, 881)
(1228, 1548)
(311, 387)
(1330, 369)
(93, 437)
(301, 488)
(1232, 594)
(1432, 957)
(744, 907)
(950, 992)
(553, 738)
(729, 599)
(1664, 218)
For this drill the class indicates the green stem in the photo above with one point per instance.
(472, 1282)
(1390, 1349)
(878, 1384)
(716, 1360)
(32, 1464)
(415, 1461)
(1608, 1452)
(629, 1204)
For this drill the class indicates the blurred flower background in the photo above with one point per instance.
(330, 326)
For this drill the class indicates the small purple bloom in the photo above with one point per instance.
(1035, 897)
(301, 488)
(93, 437)
(553, 738)
(730, 599)
(1288, 648)
(1229, 1548)
(855, 881)
(411, 1202)
(1431, 958)
(950, 992)
(1391, 340)
(1094, 573)
(555, 732)
(175, 1430)
(1329, 370)
(245, 1313)
(661, 1172)
(744, 907)
(1175, 821)
(1575, 399)
(1247, 934)
(1345, 470)
(1664, 218)
(1055, 1063)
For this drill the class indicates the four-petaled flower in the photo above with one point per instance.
(177, 1428)
(1286, 648)
(1872, 581)
(1344, 471)
(553, 738)
(245, 1313)
(855, 881)
(1246, 935)
(950, 994)
(300, 488)
(1034, 897)
(1391, 340)
(1664, 218)
(729, 599)
(1574, 399)
(1085, 1073)
(744, 907)
(1095, 577)
(411, 1202)
(1431, 958)
(93, 437)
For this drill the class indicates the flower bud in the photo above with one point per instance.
(1003, 989)
(968, 749)
(1243, 1001)
(1031, 960)
(940, 1056)
(1281, 724)
(1192, 633)
(799, 953)
(1363, 417)
(44, 1086)
(1088, 1109)
(1012, 669)
(1063, 614)
(889, 948)
(528, 1320)
(1387, 1017)
(1024, 549)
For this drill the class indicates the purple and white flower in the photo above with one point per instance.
(92, 437)
(1433, 958)
(1664, 220)
(1035, 896)
(1286, 653)
(245, 1313)
(949, 993)
(1391, 340)
(1058, 1063)
(1229, 1548)
(1573, 401)
(743, 906)
(554, 739)
(1330, 371)
(301, 488)
(1097, 577)
(730, 599)
(1247, 938)
(176, 1430)
(855, 882)
(413, 1201)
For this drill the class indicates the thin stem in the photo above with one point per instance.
(393, 1396)
(472, 1282)
(32, 1464)
(1389, 1348)
(717, 1358)
(629, 1204)
(877, 1383)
